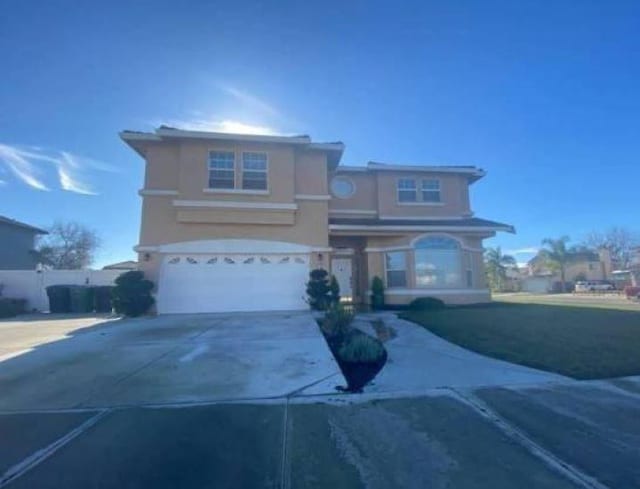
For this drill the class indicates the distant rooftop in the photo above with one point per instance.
(13, 222)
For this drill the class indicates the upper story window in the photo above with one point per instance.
(407, 190)
(254, 171)
(342, 187)
(222, 169)
(430, 190)
(425, 191)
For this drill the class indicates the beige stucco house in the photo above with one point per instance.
(236, 222)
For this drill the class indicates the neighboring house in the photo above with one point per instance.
(123, 265)
(17, 244)
(236, 222)
(584, 265)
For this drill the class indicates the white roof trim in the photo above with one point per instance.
(179, 133)
(139, 136)
(347, 168)
(156, 192)
(426, 168)
(233, 246)
(421, 218)
(227, 204)
(362, 227)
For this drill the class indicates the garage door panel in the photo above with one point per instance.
(220, 283)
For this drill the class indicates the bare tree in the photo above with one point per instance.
(69, 245)
(618, 241)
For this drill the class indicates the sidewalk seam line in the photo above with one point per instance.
(519, 436)
(42, 454)
(284, 480)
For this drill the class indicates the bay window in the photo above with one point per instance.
(438, 262)
(396, 269)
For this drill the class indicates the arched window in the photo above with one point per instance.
(438, 262)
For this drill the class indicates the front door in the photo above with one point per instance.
(341, 269)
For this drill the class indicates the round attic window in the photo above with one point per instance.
(342, 187)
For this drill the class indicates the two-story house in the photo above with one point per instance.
(236, 222)
(17, 243)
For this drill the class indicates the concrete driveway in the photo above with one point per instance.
(60, 362)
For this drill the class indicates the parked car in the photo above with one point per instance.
(594, 286)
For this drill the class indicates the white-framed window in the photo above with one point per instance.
(222, 169)
(254, 171)
(396, 269)
(342, 187)
(438, 262)
(469, 269)
(407, 190)
(430, 190)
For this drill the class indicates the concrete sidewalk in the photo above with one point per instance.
(578, 435)
(419, 360)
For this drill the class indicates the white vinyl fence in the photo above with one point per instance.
(32, 284)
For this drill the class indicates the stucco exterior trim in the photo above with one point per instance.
(426, 290)
(363, 212)
(312, 197)
(145, 192)
(238, 246)
(235, 205)
(363, 227)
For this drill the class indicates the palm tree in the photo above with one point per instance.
(496, 264)
(556, 256)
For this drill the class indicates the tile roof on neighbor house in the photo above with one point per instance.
(471, 222)
(13, 222)
(122, 265)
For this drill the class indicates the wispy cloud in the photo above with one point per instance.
(219, 125)
(32, 166)
(250, 101)
(523, 251)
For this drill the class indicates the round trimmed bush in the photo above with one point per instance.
(426, 304)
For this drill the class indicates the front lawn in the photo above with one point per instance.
(580, 342)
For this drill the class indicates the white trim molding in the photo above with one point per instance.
(234, 246)
(426, 291)
(364, 212)
(234, 191)
(146, 192)
(367, 227)
(388, 248)
(420, 218)
(227, 204)
(312, 197)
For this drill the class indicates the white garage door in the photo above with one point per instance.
(232, 282)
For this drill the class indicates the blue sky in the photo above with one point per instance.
(543, 95)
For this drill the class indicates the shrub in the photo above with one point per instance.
(12, 307)
(318, 290)
(102, 298)
(132, 294)
(336, 321)
(59, 298)
(426, 304)
(334, 290)
(377, 293)
(361, 348)
(631, 292)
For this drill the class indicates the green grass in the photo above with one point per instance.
(583, 342)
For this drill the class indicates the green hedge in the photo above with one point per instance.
(79, 298)
(12, 307)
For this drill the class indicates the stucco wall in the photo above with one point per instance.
(15, 246)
